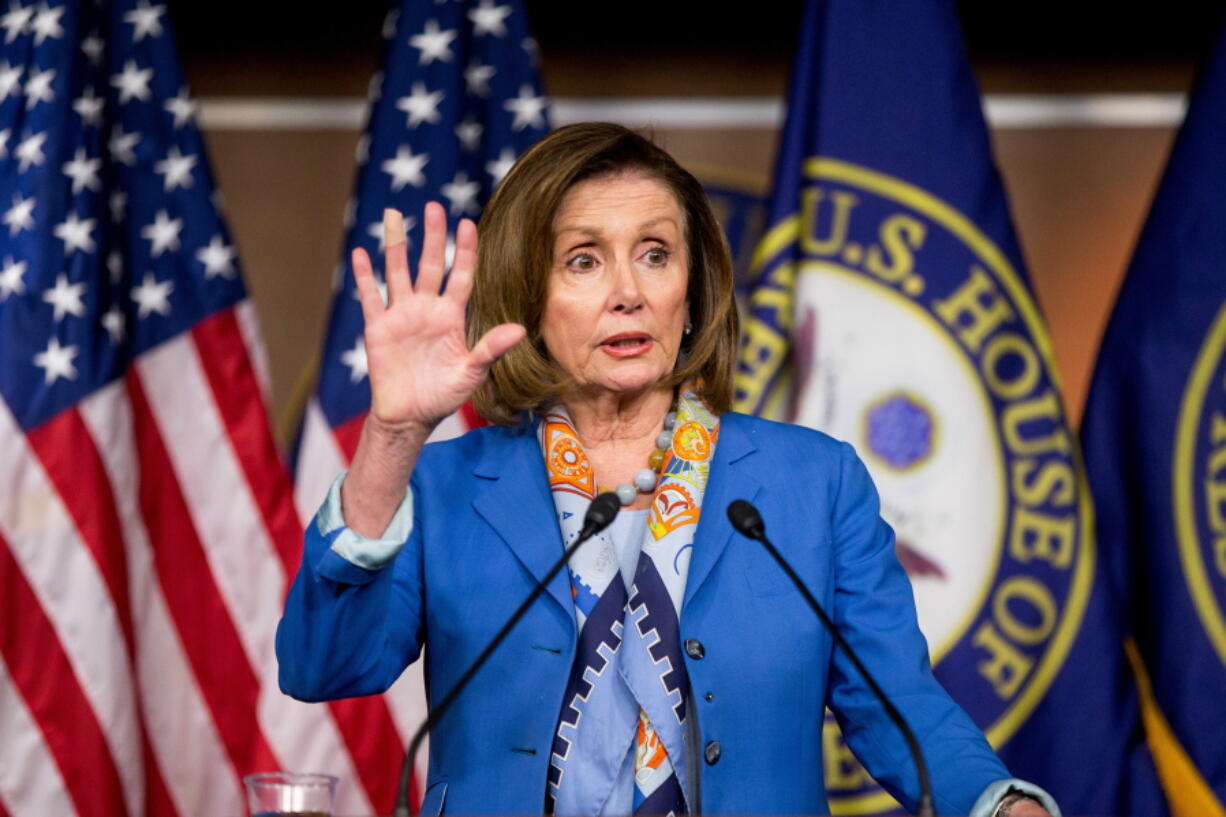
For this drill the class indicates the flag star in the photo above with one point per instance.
(462, 193)
(14, 22)
(117, 203)
(11, 273)
(113, 322)
(499, 167)
(217, 257)
(477, 77)
(38, 87)
(433, 43)
(89, 106)
(469, 133)
(4, 142)
(355, 359)
(152, 296)
(10, 80)
(374, 88)
(405, 168)
(56, 361)
(182, 107)
(132, 82)
(114, 265)
(375, 231)
(92, 46)
(30, 151)
(145, 20)
(65, 298)
(351, 209)
(389, 24)
(421, 105)
(83, 172)
(163, 233)
(46, 23)
(177, 169)
(75, 231)
(528, 108)
(489, 19)
(361, 151)
(121, 146)
(20, 216)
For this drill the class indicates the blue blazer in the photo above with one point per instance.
(484, 530)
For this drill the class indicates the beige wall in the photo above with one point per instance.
(1079, 196)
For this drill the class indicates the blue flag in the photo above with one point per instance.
(1155, 447)
(892, 309)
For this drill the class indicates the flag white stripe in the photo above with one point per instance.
(64, 577)
(320, 460)
(180, 728)
(249, 326)
(30, 780)
(249, 575)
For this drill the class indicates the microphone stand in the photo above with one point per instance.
(746, 519)
(599, 515)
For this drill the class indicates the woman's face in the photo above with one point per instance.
(615, 305)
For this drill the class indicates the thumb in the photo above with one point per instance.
(497, 342)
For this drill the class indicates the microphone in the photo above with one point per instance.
(600, 514)
(748, 522)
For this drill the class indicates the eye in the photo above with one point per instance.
(656, 256)
(583, 262)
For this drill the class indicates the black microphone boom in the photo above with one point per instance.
(600, 515)
(748, 522)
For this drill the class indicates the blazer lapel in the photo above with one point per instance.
(728, 481)
(515, 501)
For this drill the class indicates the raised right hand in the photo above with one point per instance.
(420, 367)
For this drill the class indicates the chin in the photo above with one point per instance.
(640, 378)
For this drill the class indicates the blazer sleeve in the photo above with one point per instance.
(338, 636)
(875, 611)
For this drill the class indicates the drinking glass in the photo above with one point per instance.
(287, 794)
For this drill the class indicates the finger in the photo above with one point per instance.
(430, 267)
(496, 343)
(460, 281)
(395, 257)
(368, 290)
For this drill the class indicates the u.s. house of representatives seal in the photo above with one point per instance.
(1199, 483)
(887, 318)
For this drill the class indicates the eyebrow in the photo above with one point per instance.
(595, 231)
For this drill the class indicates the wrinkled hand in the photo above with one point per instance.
(420, 367)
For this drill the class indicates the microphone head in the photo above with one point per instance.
(601, 513)
(746, 519)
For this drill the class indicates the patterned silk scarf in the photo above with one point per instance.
(628, 685)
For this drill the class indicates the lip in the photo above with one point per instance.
(627, 350)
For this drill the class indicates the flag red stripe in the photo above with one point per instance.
(232, 379)
(210, 640)
(67, 452)
(347, 434)
(472, 419)
(44, 676)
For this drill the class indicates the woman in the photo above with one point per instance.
(675, 669)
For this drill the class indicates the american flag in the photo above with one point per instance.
(457, 100)
(147, 527)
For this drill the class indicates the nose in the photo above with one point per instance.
(625, 294)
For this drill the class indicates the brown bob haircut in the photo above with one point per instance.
(514, 259)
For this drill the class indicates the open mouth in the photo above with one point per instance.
(627, 344)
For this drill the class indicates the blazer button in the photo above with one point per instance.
(693, 648)
(712, 753)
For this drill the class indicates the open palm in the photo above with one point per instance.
(421, 369)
